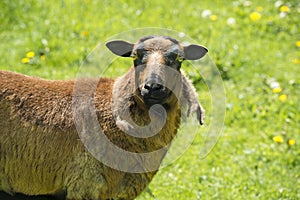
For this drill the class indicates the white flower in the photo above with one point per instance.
(247, 3)
(138, 12)
(282, 14)
(206, 13)
(235, 3)
(231, 21)
(44, 42)
(278, 4)
(181, 34)
(274, 84)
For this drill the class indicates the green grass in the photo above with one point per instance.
(246, 163)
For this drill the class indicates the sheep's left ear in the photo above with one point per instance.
(120, 47)
(194, 52)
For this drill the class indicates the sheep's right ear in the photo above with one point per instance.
(120, 48)
(194, 52)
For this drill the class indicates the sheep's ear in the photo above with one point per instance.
(194, 52)
(120, 48)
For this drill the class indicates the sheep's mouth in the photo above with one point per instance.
(156, 97)
(153, 98)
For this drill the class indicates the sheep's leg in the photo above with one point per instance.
(88, 181)
(4, 186)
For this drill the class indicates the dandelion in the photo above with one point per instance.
(85, 33)
(278, 139)
(259, 9)
(296, 61)
(276, 90)
(298, 43)
(255, 16)
(283, 97)
(275, 87)
(25, 60)
(30, 54)
(291, 142)
(213, 17)
(284, 8)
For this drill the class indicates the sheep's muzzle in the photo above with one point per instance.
(154, 92)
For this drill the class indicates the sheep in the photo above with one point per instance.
(41, 151)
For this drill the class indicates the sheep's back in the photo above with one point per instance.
(37, 101)
(46, 102)
(40, 150)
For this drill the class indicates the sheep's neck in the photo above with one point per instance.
(162, 136)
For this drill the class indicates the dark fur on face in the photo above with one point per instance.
(170, 49)
(154, 58)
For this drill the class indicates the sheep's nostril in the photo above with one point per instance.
(153, 86)
(147, 86)
(157, 87)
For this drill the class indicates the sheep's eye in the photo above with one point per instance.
(134, 56)
(179, 58)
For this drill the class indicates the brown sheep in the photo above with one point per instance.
(40, 148)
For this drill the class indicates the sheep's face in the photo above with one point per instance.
(157, 62)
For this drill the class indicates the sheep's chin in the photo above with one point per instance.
(163, 99)
(149, 101)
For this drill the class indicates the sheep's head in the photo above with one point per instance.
(157, 62)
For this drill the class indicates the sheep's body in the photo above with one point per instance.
(41, 152)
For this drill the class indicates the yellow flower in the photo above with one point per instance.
(213, 17)
(30, 54)
(259, 9)
(284, 9)
(296, 61)
(283, 97)
(43, 57)
(276, 90)
(255, 16)
(25, 60)
(291, 142)
(298, 43)
(278, 139)
(85, 33)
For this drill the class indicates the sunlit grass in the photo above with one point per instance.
(256, 46)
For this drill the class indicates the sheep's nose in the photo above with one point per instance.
(154, 93)
(151, 87)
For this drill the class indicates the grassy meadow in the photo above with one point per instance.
(256, 47)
